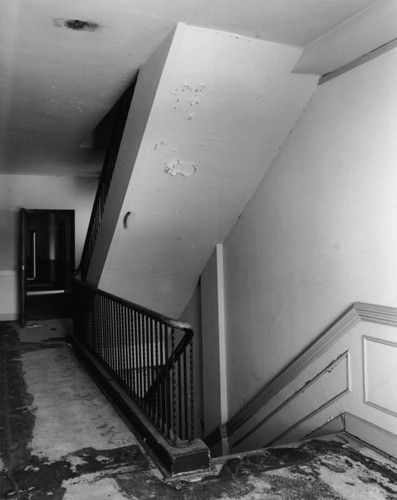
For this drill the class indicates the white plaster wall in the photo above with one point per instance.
(224, 106)
(356, 373)
(36, 192)
(320, 231)
(145, 90)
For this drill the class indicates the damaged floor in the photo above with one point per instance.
(61, 439)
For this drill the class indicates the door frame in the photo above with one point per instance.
(22, 268)
(24, 214)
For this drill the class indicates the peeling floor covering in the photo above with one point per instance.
(61, 439)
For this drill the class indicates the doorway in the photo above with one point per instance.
(46, 264)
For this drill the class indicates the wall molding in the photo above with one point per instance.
(304, 388)
(357, 312)
(358, 62)
(305, 418)
(376, 314)
(367, 369)
(332, 426)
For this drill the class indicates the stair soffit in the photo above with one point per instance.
(363, 33)
(197, 167)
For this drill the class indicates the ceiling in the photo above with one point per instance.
(57, 84)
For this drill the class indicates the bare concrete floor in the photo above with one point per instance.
(61, 439)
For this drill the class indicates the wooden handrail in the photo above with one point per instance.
(171, 322)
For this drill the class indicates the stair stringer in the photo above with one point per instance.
(350, 370)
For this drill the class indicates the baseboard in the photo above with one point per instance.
(370, 433)
(334, 426)
(9, 317)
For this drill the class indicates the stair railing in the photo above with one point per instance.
(122, 108)
(149, 355)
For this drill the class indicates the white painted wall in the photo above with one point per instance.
(36, 192)
(145, 90)
(215, 393)
(320, 231)
(223, 107)
(210, 334)
(354, 376)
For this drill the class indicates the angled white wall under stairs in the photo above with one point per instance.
(210, 113)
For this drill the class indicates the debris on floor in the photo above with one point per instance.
(60, 438)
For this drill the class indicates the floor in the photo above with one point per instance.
(61, 439)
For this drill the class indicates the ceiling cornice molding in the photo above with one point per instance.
(363, 33)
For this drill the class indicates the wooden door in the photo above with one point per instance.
(46, 255)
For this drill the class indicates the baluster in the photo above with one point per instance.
(108, 334)
(128, 350)
(124, 348)
(156, 394)
(140, 358)
(117, 334)
(95, 339)
(120, 343)
(191, 395)
(108, 338)
(168, 388)
(101, 345)
(181, 394)
(144, 355)
(112, 350)
(103, 329)
(152, 365)
(92, 319)
(141, 352)
(163, 380)
(92, 334)
(173, 381)
(133, 353)
(114, 340)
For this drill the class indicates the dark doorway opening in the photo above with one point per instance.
(47, 264)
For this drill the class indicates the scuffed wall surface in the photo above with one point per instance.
(36, 192)
(320, 231)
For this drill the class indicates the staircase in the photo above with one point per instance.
(58, 440)
(157, 216)
(149, 243)
(144, 361)
(344, 381)
(198, 139)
